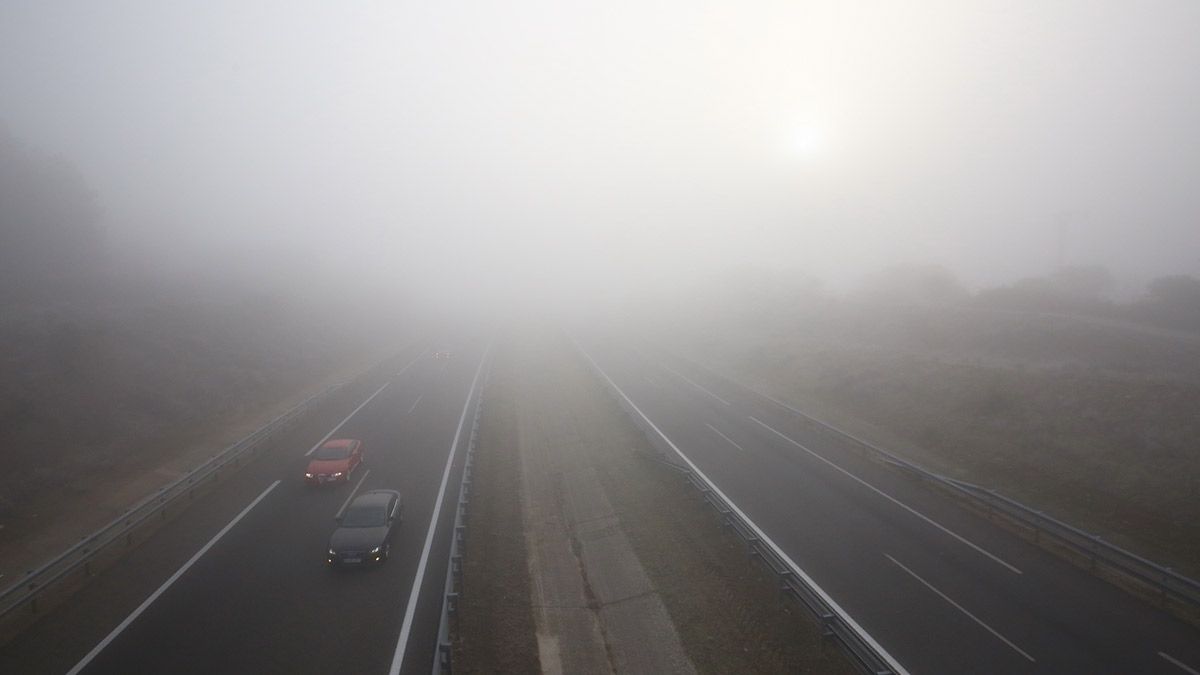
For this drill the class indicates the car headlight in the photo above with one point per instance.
(332, 552)
(376, 550)
(307, 475)
(337, 475)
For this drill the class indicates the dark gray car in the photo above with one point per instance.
(365, 529)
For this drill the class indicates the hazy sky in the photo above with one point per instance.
(524, 146)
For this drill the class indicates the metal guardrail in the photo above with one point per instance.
(862, 651)
(1166, 582)
(442, 661)
(80, 557)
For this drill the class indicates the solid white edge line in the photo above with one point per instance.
(83, 663)
(414, 595)
(862, 634)
(689, 380)
(1179, 663)
(886, 496)
(352, 493)
(962, 609)
(414, 405)
(363, 404)
(718, 432)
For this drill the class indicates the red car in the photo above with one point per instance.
(334, 461)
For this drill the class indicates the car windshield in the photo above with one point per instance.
(374, 515)
(333, 453)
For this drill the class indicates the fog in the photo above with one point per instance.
(569, 152)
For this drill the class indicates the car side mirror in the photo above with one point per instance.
(338, 519)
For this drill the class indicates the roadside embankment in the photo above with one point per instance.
(102, 406)
(1096, 424)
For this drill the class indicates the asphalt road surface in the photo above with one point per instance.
(940, 588)
(238, 584)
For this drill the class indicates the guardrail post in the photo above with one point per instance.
(456, 577)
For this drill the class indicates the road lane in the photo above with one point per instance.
(87, 659)
(899, 504)
(261, 599)
(402, 642)
(839, 530)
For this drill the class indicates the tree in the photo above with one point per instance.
(1177, 290)
(1089, 283)
(48, 216)
(915, 284)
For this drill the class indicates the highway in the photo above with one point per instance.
(238, 584)
(940, 588)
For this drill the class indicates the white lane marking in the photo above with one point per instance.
(347, 419)
(888, 497)
(794, 409)
(167, 584)
(862, 634)
(718, 432)
(690, 381)
(410, 363)
(356, 486)
(414, 405)
(962, 609)
(361, 405)
(414, 595)
(1183, 666)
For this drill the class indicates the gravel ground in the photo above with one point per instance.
(727, 611)
(494, 628)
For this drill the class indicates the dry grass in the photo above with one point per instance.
(101, 404)
(1095, 423)
(494, 629)
(727, 609)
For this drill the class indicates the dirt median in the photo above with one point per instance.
(558, 460)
